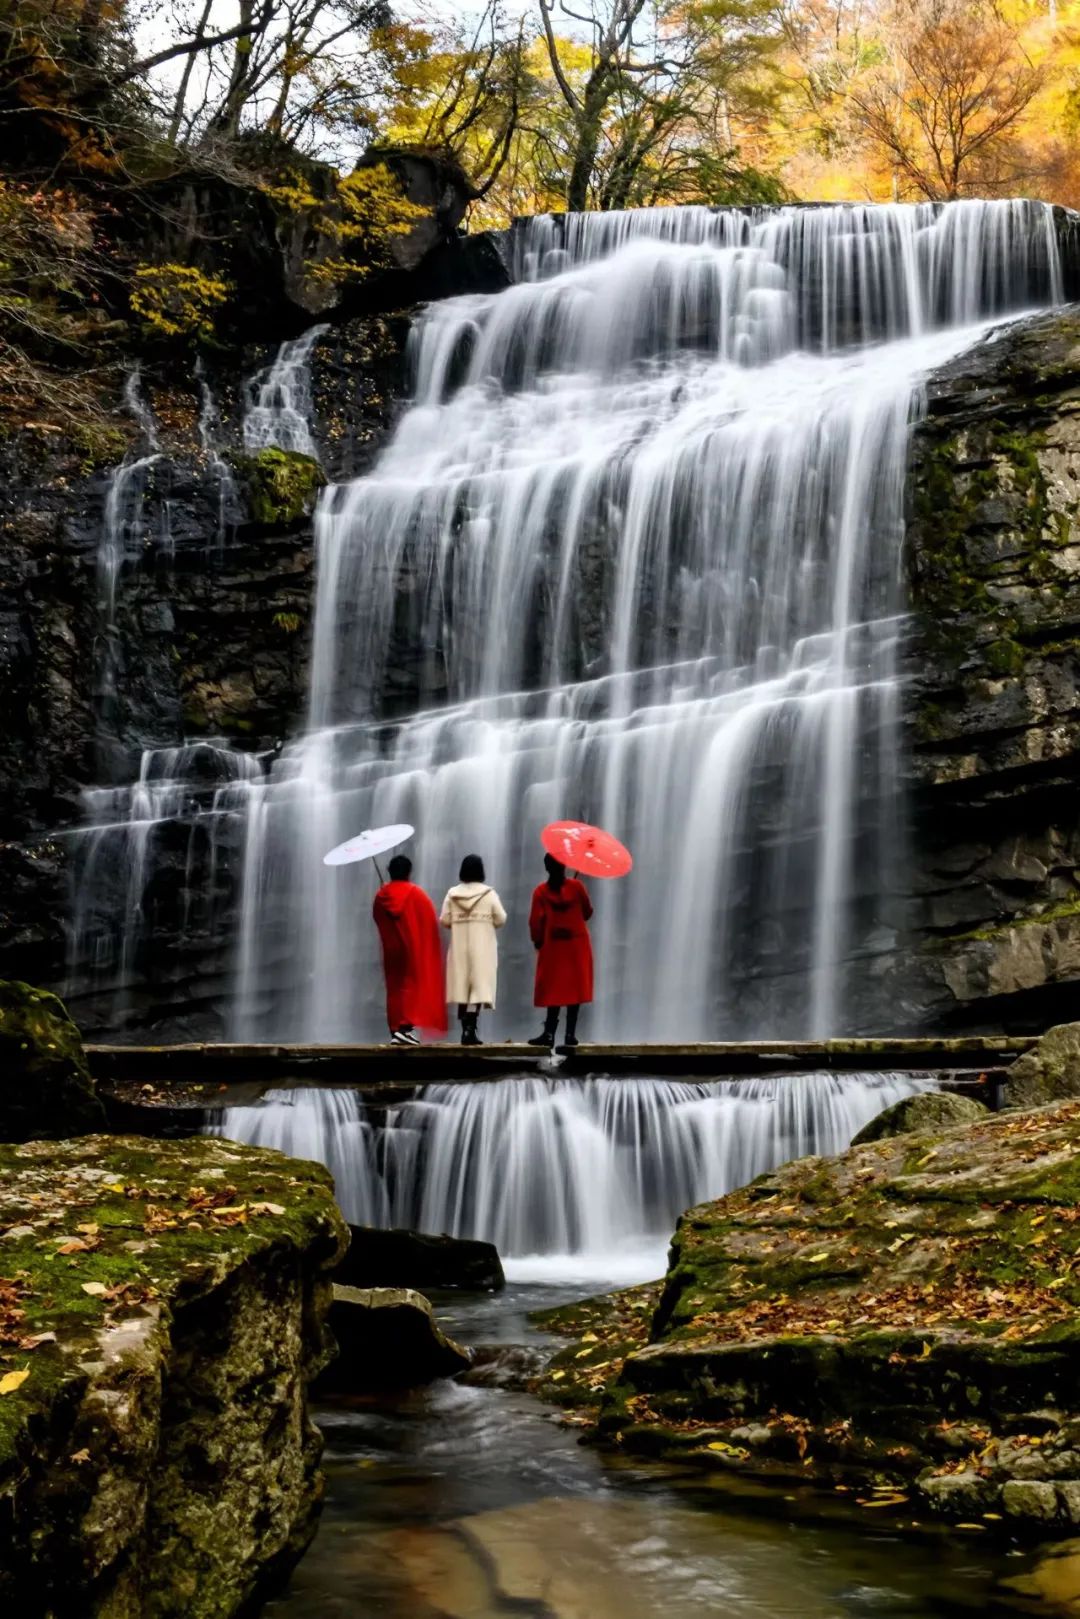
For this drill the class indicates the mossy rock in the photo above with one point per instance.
(868, 1323)
(281, 485)
(1050, 1072)
(162, 1308)
(932, 1110)
(45, 1086)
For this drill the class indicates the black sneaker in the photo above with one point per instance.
(404, 1037)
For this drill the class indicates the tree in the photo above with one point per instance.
(943, 105)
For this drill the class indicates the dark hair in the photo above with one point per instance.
(399, 868)
(472, 869)
(556, 872)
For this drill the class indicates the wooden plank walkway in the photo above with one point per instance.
(367, 1065)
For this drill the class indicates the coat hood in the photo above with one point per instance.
(465, 896)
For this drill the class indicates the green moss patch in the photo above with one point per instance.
(281, 485)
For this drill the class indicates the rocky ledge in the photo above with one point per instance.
(897, 1325)
(161, 1314)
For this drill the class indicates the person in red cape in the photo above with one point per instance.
(559, 925)
(412, 956)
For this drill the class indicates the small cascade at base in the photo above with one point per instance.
(567, 1177)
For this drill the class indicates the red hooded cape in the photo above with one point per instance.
(558, 923)
(412, 957)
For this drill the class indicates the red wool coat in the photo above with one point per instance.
(412, 957)
(558, 923)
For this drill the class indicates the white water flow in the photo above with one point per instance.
(123, 528)
(278, 414)
(633, 555)
(567, 1177)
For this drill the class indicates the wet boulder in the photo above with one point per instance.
(45, 1086)
(387, 1337)
(1050, 1072)
(931, 1110)
(399, 1258)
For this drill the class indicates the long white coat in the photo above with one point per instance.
(472, 912)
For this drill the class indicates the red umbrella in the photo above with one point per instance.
(586, 849)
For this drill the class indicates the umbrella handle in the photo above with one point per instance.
(378, 870)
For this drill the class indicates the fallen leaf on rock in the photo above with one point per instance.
(13, 1380)
(96, 1290)
(79, 1457)
(37, 1338)
(815, 1259)
(89, 1229)
(277, 1208)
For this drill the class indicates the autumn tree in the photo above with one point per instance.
(943, 104)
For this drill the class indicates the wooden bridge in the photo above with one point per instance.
(377, 1065)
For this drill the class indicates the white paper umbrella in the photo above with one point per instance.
(368, 844)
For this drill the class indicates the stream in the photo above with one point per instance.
(479, 1503)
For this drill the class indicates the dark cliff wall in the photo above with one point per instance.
(994, 562)
(212, 627)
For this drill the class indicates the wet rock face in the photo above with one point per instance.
(209, 648)
(166, 1303)
(993, 551)
(45, 1086)
(899, 1321)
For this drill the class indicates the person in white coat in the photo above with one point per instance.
(472, 911)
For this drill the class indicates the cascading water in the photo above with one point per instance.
(633, 555)
(565, 1176)
(278, 414)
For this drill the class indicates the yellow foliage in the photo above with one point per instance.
(365, 210)
(177, 300)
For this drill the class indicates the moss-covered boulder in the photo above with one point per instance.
(45, 1086)
(898, 1324)
(281, 485)
(931, 1110)
(1048, 1073)
(161, 1315)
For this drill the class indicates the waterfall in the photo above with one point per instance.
(123, 521)
(633, 555)
(278, 414)
(154, 854)
(565, 1176)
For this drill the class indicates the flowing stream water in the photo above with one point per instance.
(472, 1501)
(632, 554)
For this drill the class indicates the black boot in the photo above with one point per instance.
(469, 1035)
(571, 1028)
(546, 1037)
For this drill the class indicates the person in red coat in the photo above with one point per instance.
(412, 956)
(559, 925)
